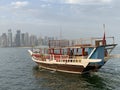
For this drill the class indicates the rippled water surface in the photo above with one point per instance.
(19, 72)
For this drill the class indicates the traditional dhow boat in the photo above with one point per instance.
(74, 56)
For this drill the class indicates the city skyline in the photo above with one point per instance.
(76, 18)
(20, 39)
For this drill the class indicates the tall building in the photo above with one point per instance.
(17, 38)
(40, 41)
(23, 39)
(4, 40)
(9, 38)
(27, 40)
(33, 40)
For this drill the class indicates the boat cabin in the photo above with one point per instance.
(75, 50)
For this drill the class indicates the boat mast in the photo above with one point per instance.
(104, 37)
(104, 27)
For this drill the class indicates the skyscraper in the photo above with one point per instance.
(33, 40)
(4, 40)
(9, 38)
(23, 39)
(40, 41)
(27, 40)
(17, 39)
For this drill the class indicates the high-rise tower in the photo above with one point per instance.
(17, 39)
(4, 40)
(9, 38)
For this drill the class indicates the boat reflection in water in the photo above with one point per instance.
(64, 81)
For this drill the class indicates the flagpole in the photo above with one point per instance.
(104, 37)
(104, 27)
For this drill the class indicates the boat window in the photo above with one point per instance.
(71, 52)
(78, 51)
(86, 51)
(42, 50)
(57, 51)
(46, 51)
(64, 51)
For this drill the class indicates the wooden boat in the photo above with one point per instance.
(74, 56)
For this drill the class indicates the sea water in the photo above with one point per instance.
(19, 72)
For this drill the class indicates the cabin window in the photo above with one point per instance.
(86, 51)
(57, 51)
(46, 51)
(64, 52)
(60, 51)
(78, 51)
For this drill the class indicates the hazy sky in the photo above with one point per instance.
(74, 18)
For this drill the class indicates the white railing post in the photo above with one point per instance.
(53, 57)
(60, 58)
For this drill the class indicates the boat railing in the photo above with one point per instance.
(59, 58)
(91, 41)
(65, 58)
(81, 42)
